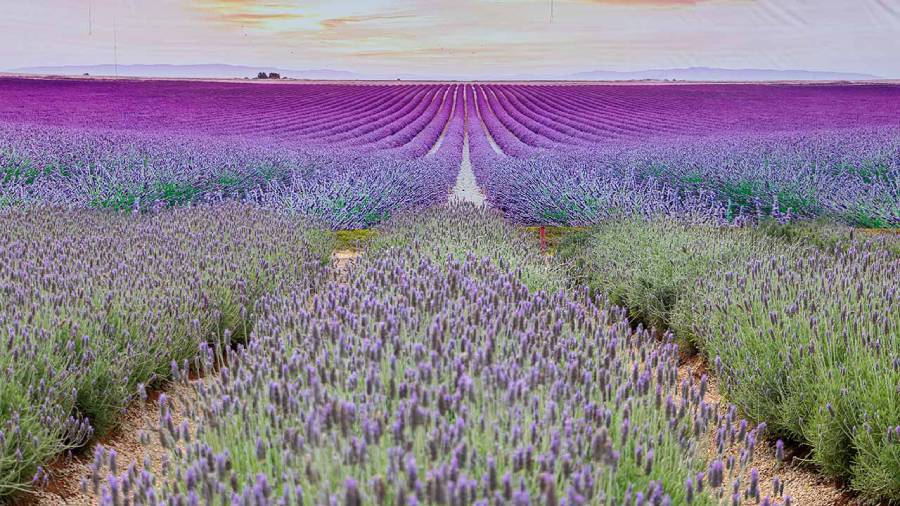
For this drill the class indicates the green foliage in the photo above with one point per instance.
(650, 266)
(21, 171)
(465, 230)
(106, 301)
(353, 239)
(809, 341)
(825, 235)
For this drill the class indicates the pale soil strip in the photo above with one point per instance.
(343, 258)
(440, 140)
(466, 189)
(490, 138)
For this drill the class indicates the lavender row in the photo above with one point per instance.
(851, 176)
(434, 118)
(342, 115)
(538, 115)
(378, 128)
(810, 342)
(419, 379)
(615, 113)
(122, 170)
(95, 307)
(798, 321)
(450, 147)
(509, 142)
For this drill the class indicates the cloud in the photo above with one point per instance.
(248, 18)
(249, 13)
(334, 23)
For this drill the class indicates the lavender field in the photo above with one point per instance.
(715, 320)
(542, 154)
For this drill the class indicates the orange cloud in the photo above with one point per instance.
(255, 13)
(348, 20)
(250, 18)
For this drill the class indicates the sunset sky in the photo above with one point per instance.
(464, 38)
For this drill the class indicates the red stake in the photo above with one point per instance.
(543, 240)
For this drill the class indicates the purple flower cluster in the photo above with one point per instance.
(561, 116)
(577, 154)
(95, 306)
(850, 176)
(354, 154)
(417, 379)
(128, 171)
(349, 155)
(810, 342)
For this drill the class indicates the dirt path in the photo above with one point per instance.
(466, 189)
(66, 476)
(342, 258)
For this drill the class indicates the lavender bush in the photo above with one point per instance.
(93, 305)
(418, 379)
(470, 230)
(849, 176)
(650, 265)
(808, 341)
(798, 319)
(126, 171)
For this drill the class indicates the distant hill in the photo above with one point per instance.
(716, 74)
(215, 71)
(222, 71)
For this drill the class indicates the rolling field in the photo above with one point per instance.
(543, 154)
(715, 322)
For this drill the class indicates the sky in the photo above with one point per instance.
(461, 38)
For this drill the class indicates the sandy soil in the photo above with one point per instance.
(343, 258)
(66, 476)
(466, 189)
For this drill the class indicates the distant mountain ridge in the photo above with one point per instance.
(719, 74)
(224, 71)
(212, 70)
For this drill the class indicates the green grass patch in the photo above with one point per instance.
(353, 239)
